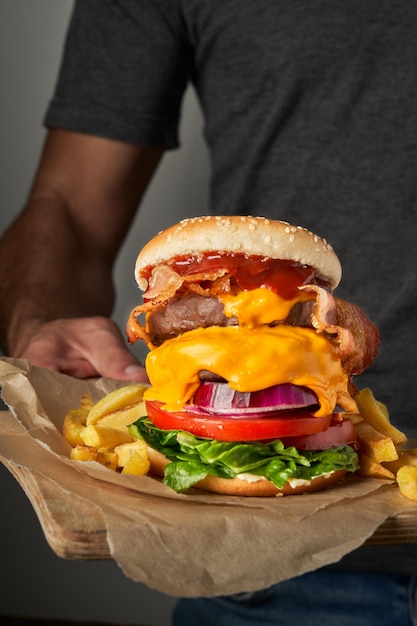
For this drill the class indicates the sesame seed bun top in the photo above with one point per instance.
(240, 234)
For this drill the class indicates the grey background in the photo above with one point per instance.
(35, 581)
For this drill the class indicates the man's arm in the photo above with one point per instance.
(56, 259)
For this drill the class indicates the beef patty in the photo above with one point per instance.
(185, 313)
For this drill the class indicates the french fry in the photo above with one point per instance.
(377, 446)
(107, 458)
(74, 423)
(114, 401)
(373, 469)
(404, 458)
(86, 402)
(376, 414)
(88, 453)
(123, 417)
(106, 438)
(83, 453)
(407, 481)
(133, 458)
(354, 417)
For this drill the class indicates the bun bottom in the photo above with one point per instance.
(240, 487)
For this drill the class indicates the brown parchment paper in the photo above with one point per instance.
(189, 545)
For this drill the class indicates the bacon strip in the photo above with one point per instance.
(357, 337)
(364, 333)
(321, 312)
(134, 329)
(323, 318)
(165, 282)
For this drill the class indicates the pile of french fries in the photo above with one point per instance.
(382, 447)
(98, 432)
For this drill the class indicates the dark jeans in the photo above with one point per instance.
(321, 598)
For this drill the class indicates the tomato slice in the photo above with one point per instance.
(339, 433)
(278, 425)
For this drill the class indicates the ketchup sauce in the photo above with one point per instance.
(249, 272)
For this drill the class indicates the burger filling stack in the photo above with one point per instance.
(251, 357)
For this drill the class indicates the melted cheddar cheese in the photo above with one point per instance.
(249, 360)
(250, 356)
(260, 306)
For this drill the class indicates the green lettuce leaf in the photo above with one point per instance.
(193, 458)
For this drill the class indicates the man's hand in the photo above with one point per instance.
(81, 347)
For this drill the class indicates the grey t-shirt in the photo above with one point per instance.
(310, 116)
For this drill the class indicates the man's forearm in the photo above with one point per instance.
(56, 259)
(45, 277)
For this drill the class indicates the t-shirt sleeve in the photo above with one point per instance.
(125, 67)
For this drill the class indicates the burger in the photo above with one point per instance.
(251, 357)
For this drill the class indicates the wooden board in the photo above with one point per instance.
(75, 529)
